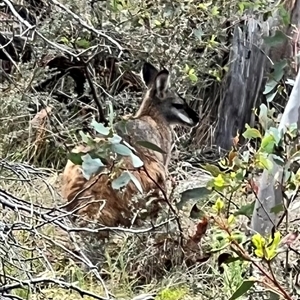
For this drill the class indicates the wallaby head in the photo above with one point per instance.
(162, 102)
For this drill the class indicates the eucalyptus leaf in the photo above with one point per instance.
(136, 182)
(91, 166)
(76, 158)
(251, 133)
(121, 181)
(245, 210)
(276, 134)
(198, 33)
(243, 288)
(121, 149)
(83, 43)
(100, 128)
(278, 38)
(268, 143)
(277, 209)
(151, 146)
(85, 138)
(136, 161)
(270, 85)
(212, 169)
(271, 97)
(116, 139)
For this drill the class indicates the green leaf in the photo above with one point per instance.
(198, 33)
(276, 134)
(121, 181)
(277, 209)
(136, 182)
(116, 139)
(271, 97)
(275, 40)
(85, 138)
(83, 44)
(121, 149)
(151, 146)
(100, 128)
(243, 288)
(219, 181)
(268, 143)
(212, 169)
(136, 161)
(270, 85)
(76, 158)
(278, 72)
(64, 40)
(245, 210)
(193, 77)
(265, 163)
(251, 133)
(91, 166)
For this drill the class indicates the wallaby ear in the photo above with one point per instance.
(148, 74)
(162, 81)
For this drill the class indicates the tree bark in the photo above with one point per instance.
(243, 83)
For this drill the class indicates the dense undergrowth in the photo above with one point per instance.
(41, 257)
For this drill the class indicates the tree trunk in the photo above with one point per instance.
(243, 82)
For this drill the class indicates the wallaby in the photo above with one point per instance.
(160, 109)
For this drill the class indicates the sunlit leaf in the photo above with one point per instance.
(243, 288)
(251, 133)
(258, 241)
(264, 162)
(219, 205)
(231, 220)
(219, 181)
(268, 143)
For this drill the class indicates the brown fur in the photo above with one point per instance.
(151, 123)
